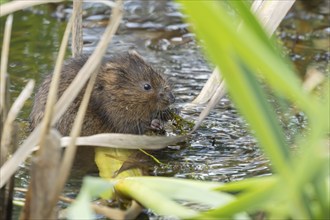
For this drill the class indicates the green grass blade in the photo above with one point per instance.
(168, 191)
(148, 197)
(242, 86)
(246, 184)
(247, 201)
(242, 56)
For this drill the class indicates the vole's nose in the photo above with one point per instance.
(167, 97)
(171, 97)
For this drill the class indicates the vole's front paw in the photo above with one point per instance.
(156, 125)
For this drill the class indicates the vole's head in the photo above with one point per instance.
(132, 88)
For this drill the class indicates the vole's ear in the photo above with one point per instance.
(134, 53)
(110, 65)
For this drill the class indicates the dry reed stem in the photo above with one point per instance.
(90, 66)
(7, 192)
(125, 141)
(11, 165)
(53, 90)
(270, 14)
(3, 67)
(313, 78)
(75, 132)
(106, 2)
(17, 5)
(44, 163)
(256, 5)
(211, 84)
(217, 96)
(76, 129)
(4, 96)
(44, 173)
(77, 34)
(12, 115)
(6, 9)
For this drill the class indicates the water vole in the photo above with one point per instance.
(127, 97)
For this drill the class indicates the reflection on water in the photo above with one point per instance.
(222, 149)
(35, 40)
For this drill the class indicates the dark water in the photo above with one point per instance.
(222, 149)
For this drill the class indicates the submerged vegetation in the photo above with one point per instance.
(236, 42)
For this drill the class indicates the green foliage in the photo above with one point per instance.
(243, 54)
(92, 187)
(3, 1)
(162, 195)
(299, 189)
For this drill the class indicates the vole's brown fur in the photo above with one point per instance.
(128, 94)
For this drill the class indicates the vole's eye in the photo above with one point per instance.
(147, 86)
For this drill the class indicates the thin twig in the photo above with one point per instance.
(48, 146)
(7, 192)
(215, 99)
(70, 152)
(90, 66)
(271, 13)
(133, 211)
(265, 11)
(209, 88)
(12, 114)
(53, 90)
(77, 34)
(3, 67)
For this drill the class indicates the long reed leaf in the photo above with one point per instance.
(247, 57)
(270, 14)
(53, 90)
(147, 197)
(250, 200)
(242, 85)
(126, 141)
